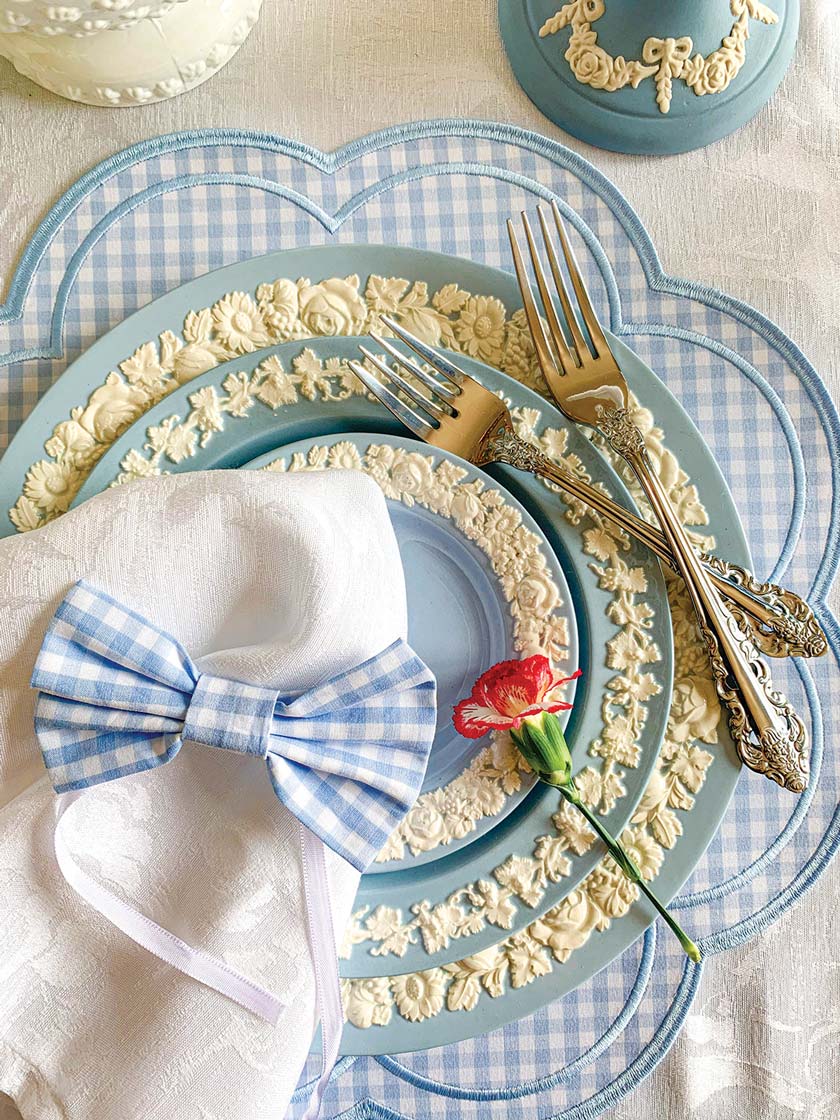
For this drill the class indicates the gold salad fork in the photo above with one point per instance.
(453, 411)
(589, 387)
(458, 414)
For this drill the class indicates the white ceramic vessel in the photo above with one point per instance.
(123, 52)
(42, 17)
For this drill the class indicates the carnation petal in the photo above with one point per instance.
(510, 691)
(473, 719)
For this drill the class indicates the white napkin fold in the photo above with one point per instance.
(287, 579)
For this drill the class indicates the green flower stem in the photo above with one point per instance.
(616, 850)
(541, 742)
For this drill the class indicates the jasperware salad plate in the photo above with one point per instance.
(479, 824)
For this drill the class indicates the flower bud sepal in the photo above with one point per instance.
(541, 742)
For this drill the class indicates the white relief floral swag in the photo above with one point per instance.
(239, 323)
(663, 59)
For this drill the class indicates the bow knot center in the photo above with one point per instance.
(230, 715)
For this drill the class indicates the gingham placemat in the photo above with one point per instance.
(163, 212)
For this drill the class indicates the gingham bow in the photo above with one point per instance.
(118, 696)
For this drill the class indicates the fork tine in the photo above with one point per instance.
(426, 378)
(599, 340)
(568, 361)
(391, 401)
(435, 359)
(542, 346)
(581, 345)
(410, 390)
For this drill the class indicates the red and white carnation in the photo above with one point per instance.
(509, 693)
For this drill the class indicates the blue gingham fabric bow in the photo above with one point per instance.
(118, 696)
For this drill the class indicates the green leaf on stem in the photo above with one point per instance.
(541, 742)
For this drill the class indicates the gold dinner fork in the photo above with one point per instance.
(589, 387)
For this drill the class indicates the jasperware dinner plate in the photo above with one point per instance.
(459, 608)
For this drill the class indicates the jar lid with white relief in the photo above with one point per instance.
(649, 76)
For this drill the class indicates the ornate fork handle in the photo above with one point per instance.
(779, 622)
(768, 734)
(791, 630)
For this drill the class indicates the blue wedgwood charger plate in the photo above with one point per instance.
(436, 269)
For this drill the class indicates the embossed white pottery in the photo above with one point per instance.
(123, 52)
(42, 17)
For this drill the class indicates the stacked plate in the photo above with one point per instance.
(491, 899)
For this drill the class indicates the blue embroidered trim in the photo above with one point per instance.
(657, 280)
(330, 222)
(303, 1092)
(649, 1058)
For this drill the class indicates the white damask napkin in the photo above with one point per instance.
(294, 578)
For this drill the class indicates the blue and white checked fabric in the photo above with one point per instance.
(118, 696)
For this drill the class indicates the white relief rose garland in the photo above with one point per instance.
(663, 60)
(469, 323)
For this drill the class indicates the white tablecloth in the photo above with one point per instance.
(757, 215)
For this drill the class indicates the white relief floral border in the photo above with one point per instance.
(237, 324)
(478, 325)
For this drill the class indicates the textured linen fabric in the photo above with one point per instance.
(755, 215)
(263, 576)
